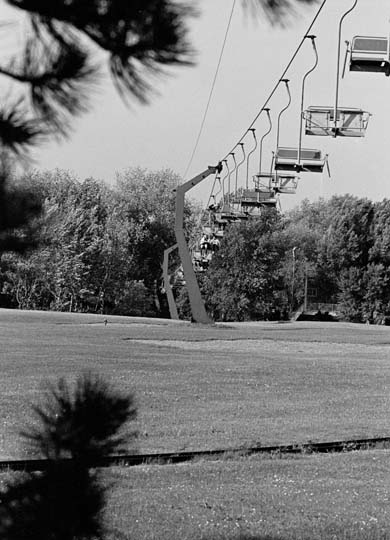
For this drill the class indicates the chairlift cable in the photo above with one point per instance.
(211, 89)
(283, 74)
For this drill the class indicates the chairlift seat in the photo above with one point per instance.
(226, 214)
(196, 256)
(241, 216)
(351, 122)
(235, 199)
(219, 219)
(263, 181)
(228, 217)
(286, 183)
(255, 198)
(370, 54)
(286, 159)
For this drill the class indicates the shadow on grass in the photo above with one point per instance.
(347, 533)
(64, 502)
(330, 532)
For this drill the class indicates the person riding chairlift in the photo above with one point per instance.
(204, 245)
(215, 243)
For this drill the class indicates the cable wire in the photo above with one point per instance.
(212, 89)
(281, 77)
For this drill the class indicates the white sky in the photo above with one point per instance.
(113, 137)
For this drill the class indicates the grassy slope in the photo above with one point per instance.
(200, 387)
(221, 386)
(314, 497)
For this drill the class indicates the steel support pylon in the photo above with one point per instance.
(198, 309)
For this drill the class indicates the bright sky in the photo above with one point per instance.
(113, 137)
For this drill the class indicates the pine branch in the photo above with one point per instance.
(60, 76)
(17, 131)
(276, 11)
(142, 36)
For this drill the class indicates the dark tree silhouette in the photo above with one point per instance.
(77, 427)
(18, 206)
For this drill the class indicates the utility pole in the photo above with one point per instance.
(305, 301)
(293, 278)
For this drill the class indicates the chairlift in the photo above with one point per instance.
(370, 54)
(226, 213)
(299, 160)
(285, 183)
(196, 255)
(263, 181)
(241, 215)
(207, 230)
(222, 218)
(198, 261)
(350, 122)
(252, 198)
(220, 224)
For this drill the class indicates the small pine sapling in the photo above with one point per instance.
(78, 427)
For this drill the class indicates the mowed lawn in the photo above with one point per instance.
(199, 387)
(316, 497)
(319, 497)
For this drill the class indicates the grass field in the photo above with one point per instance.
(203, 387)
(226, 386)
(317, 497)
(333, 497)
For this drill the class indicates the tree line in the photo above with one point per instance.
(338, 249)
(99, 248)
(94, 248)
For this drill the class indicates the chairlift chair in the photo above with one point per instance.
(207, 230)
(285, 183)
(239, 214)
(199, 266)
(226, 213)
(255, 198)
(350, 122)
(196, 256)
(286, 159)
(220, 226)
(370, 54)
(196, 259)
(263, 181)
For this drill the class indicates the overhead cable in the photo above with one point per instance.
(281, 78)
(211, 89)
